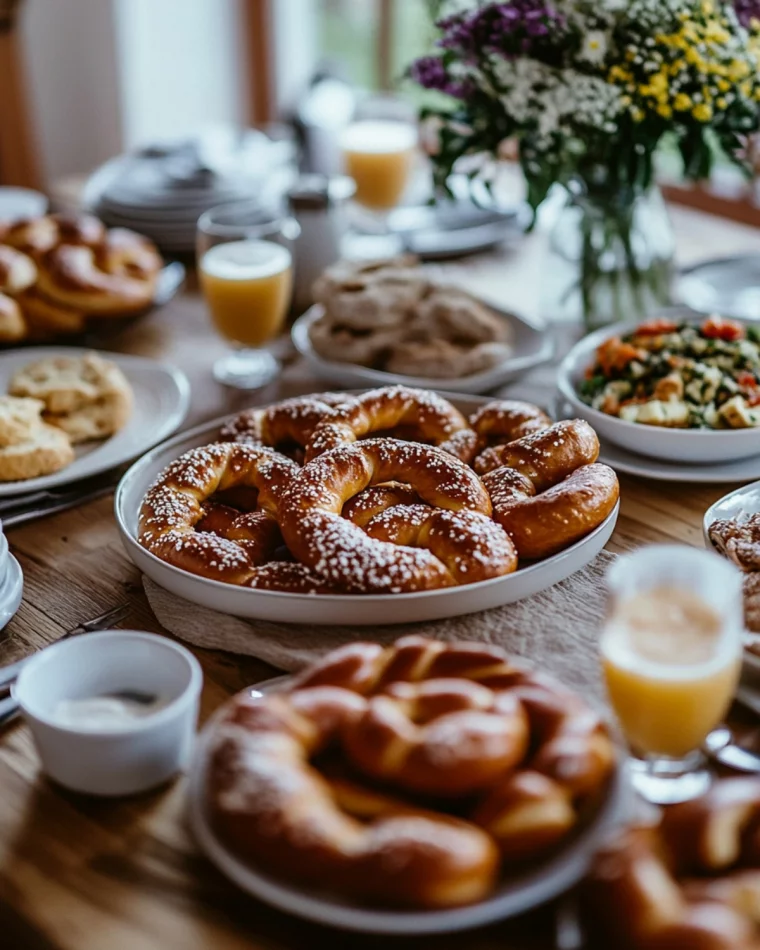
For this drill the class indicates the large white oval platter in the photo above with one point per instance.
(362, 610)
(514, 896)
(161, 399)
(533, 344)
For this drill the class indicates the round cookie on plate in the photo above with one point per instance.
(29, 447)
(87, 397)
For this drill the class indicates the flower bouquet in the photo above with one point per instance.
(588, 89)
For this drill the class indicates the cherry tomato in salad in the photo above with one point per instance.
(747, 379)
(615, 355)
(716, 328)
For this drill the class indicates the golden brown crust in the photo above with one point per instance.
(420, 715)
(431, 417)
(546, 456)
(505, 420)
(17, 270)
(12, 324)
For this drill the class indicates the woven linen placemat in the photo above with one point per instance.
(556, 629)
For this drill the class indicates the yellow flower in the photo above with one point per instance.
(702, 112)
(745, 88)
(708, 7)
(665, 111)
(682, 102)
(637, 114)
(723, 84)
(721, 102)
(659, 83)
(625, 101)
(738, 69)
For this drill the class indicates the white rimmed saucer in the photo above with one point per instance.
(161, 401)
(361, 610)
(514, 896)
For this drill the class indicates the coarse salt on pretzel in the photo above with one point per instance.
(547, 456)
(428, 415)
(174, 505)
(318, 535)
(505, 420)
(362, 508)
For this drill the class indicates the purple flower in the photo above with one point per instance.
(431, 73)
(747, 10)
(502, 27)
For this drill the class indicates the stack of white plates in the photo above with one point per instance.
(161, 192)
(11, 582)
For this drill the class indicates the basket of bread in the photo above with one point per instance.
(60, 274)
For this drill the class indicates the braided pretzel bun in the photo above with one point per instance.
(542, 525)
(17, 271)
(318, 536)
(174, 506)
(290, 422)
(430, 417)
(636, 897)
(272, 807)
(405, 714)
(505, 420)
(73, 276)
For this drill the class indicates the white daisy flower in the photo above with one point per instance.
(595, 46)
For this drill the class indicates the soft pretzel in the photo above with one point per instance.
(432, 418)
(365, 506)
(420, 714)
(541, 525)
(287, 423)
(72, 276)
(17, 271)
(440, 736)
(274, 808)
(34, 236)
(46, 318)
(318, 536)
(546, 456)
(637, 898)
(505, 420)
(12, 323)
(128, 254)
(174, 506)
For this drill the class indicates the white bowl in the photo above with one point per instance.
(697, 446)
(533, 344)
(363, 610)
(112, 761)
(516, 894)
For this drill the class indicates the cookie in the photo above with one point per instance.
(20, 418)
(452, 314)
(47, 451)
(88, 397)
(440, 359)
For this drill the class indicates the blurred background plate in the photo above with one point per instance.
(729, 286)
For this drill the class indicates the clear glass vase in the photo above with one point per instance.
(611, 259)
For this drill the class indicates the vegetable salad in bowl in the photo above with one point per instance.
(679, 375)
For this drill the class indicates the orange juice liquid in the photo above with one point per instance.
(670, 672)
(379, 157)
(247, 286)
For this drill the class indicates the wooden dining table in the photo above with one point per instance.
(78, 873)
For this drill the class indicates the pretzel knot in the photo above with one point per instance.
(176, 505)
(461, 549)
(425, 416)
(505, 420)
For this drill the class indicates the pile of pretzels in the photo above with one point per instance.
(60, 271)
(391, 491)
(691, 883)
(410, 775)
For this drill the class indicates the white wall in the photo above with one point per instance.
(70, 55)
(180, 66)
(296, 48)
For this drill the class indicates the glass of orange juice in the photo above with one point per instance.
(379, 155)
(671, 652)
(245, 270)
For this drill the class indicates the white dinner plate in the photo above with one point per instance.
(533, 344)
(514, 896)
(161, 400)
(361, 610)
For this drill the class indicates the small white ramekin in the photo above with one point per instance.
(112, 761)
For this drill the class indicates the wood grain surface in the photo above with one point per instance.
(83, 874)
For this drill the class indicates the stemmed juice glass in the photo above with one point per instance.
(246, 274)
(671, 653)
(379, 155)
